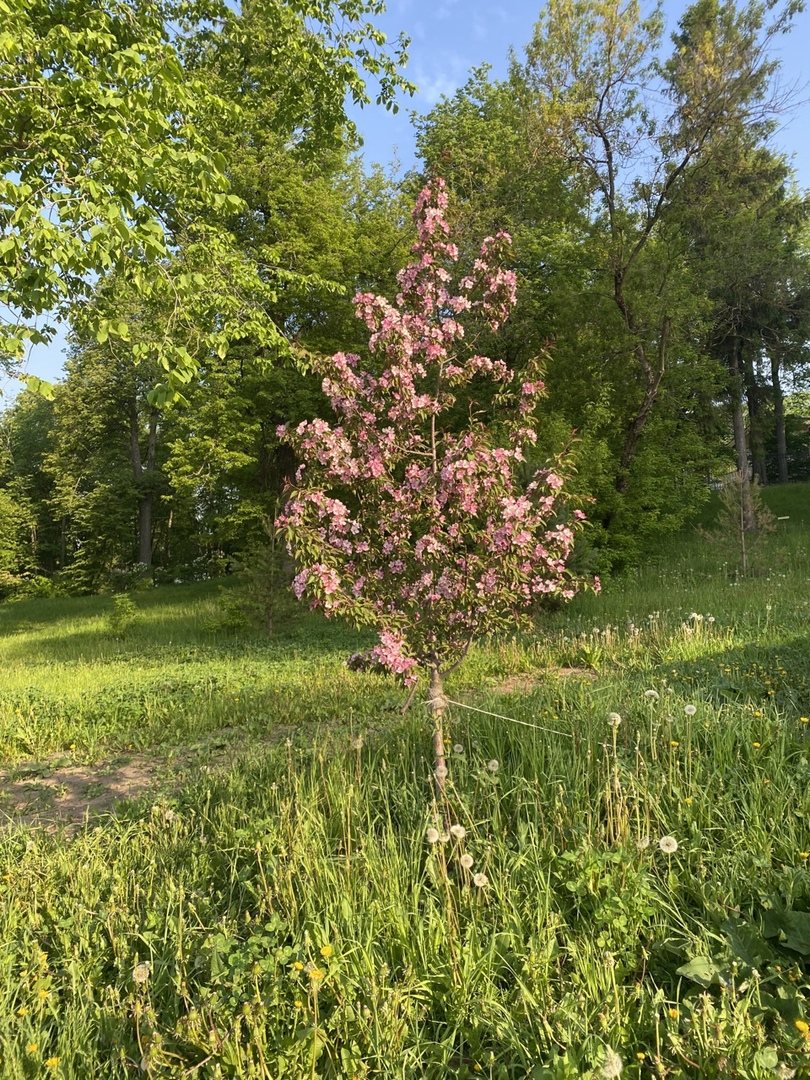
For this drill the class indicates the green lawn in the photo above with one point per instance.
(272, 907)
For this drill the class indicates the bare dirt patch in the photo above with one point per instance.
(39, 794)
(529, 681)
(57, 795)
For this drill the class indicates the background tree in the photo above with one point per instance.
(106, 155)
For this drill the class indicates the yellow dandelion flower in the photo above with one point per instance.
(298, 966)
(640, 1055)
(43, 994)
(22, 1011)
(316, 974)
(299, 1003)
(674, 743)
(804, 719)
(31, 1048)
(804, 854)
(52, 1063)
(327, 951)
(756, 745)
(802, 1026)
(673, 1014)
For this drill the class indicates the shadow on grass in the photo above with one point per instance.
(766, 675)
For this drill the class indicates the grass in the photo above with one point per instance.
(278, 911)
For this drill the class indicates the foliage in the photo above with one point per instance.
(439, 542)
(742, 525)
(109, 162)
(123, 615)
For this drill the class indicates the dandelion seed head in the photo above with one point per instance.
(481, 880)
(643, 843)
(141, 973)
(690, 710)
(466, 861)
(458, 748)
(458, 831)
(668, 844)
(651, 695)
(614, 719)
(432, 836)
(612, 1065)
(493, 765)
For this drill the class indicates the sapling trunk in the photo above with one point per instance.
(438, 707)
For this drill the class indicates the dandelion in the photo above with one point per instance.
(756, 745)
(783, 1072)
(458, 748)
(22, 1011)
(674, 744)
(640, 1055)
(298, 966)
(440, 772)
(432, 836)
(804, 854)
(668, 844)
(466, 861)
(493, 765)
(31, 1048)
(612, 1064)
(299, 1003)
(42, 994)
(458, 831)
(651, 695)
(327, 951)
(141, 973)
(643, 843)
(444, 838)
(673, 1014)
(801, 1026)
(690, 710)
(52, 1063)
(316, 974)
(481, 880)
(614, 719)
(804, 719)
(357, 743)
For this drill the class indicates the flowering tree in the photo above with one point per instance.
(398, 519)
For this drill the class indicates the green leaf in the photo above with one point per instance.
(39, 386)
(702, 970)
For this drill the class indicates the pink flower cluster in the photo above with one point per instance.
(397, 519)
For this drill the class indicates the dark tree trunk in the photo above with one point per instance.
(753, 396)
(740, 442)
(651, 373)
(143, 473)
(779, 418)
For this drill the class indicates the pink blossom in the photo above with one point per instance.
(398, 519)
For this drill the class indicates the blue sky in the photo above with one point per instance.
(448, 38)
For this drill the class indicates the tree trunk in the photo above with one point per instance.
(740, 442)
(779, 418)
(438, 707)
(143, 473)
(651, 375)
(753, 396)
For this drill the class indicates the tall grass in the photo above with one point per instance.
(280, 911)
